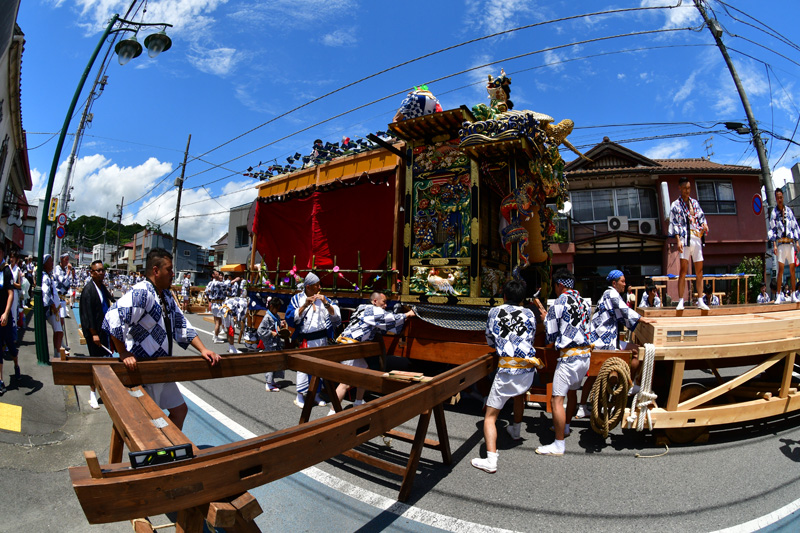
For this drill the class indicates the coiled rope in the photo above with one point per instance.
(645, 398)
(608, 404)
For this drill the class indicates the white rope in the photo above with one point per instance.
(645, 398)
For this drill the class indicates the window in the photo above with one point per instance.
(187, 253)
(597, 205)
(716, 197)
(29, 230)
(242, 237)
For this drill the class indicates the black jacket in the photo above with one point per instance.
(91, 310)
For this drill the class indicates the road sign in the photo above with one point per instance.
(53, 211)
(62, 219)
(61, 231)
(757, 204)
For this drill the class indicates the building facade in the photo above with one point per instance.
(620, 216)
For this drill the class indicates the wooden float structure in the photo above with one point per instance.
(758, 343)
(211, 485)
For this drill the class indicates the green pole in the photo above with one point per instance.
(40, 326)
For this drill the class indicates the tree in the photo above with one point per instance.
(755, 266)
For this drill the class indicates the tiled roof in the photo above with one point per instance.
(672, 166)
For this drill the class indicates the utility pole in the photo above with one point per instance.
(179, 183)
(766, 177)
(105, 232)
(85, 117)
(119, 226)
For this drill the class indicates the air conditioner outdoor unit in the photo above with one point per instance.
(647, 226)
(617, 224)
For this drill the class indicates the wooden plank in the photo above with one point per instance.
(93, 464)
(725, 414)
(725, 387)
(78, 370)
(675, 385)
(375, 462)
(221, 514)
(788, 370)
(441, 431)
(247, 506)
(717, 311)
(219, 472)
(116, 447)
(190, 520)
(371, 380)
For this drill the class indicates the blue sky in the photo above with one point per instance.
(235, 66)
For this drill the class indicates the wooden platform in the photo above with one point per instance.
(761, 343)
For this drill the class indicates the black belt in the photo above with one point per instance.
(321, 334)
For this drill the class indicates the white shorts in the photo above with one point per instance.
(166, 395)
(785, 253)
(694, 251)
(358, 363)
(55, 323)
(569, 374)
(62, 309)
(229, 320)
(216, 310)
(507, 386)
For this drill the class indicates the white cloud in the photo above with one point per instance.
(219, 61)
(686, 89)
(293, 14)
(676, 17)
(343, 37)
(668, 150)
(554, 59)
(493, 17)
(781, 176)
(620, 76)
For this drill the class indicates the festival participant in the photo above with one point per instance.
(149, 312)
(94, 304)
(186, 289)
(650, 297)
(52, 302)
(314, 318)
(687, 223)
(763, 296)
(216, 296)
(510, 330)
(611, 313)
(233, 312)
(784, 234)
(708, 296)
(269, 334)
(567, 329)
(368, 320)
(8, 335)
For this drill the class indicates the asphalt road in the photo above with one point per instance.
(739, 475)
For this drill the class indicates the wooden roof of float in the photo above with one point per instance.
(429, 127)
(502, 149)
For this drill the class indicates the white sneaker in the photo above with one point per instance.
(93, 403)
(551, 449)
(233, 349)
(358, 402)
(320, 402)
(219, 341)
(679, 307)
(271, 387)
(514, 431)
(779, 299)
(583, 411)
(487, 465)
(702, 305)
(331, 412)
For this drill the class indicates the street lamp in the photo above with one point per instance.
(126, 50)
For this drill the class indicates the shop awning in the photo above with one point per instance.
(233, 267)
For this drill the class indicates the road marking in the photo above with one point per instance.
(428, 518)
(763, 521)
(10, 417)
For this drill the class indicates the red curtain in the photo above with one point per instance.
(338, 223)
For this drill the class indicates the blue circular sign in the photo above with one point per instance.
(757, 204)
(61, 231)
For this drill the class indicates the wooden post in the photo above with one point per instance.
(441, 430)
(115, 448)
(787, 375)
(277, 272)
(190, 520)
(414, 456)
(675, 385)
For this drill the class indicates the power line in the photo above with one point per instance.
(425, 56)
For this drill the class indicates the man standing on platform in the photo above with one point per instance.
(145, 322)
(784, 234)
(687, 223)
(94, 304)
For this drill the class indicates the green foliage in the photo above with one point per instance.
(755, 266)
(91, 228)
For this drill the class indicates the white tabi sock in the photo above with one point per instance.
(559, 444)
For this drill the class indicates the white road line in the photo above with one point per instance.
(763, 521)
(428, 518)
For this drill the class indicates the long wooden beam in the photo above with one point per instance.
(78, 370)
(217, 473)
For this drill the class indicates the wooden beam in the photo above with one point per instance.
(675, 385)
(78, 370)
(727, 386)
(788, 370)
(219, 472)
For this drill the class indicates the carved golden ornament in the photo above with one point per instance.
(437, 300)
(474, 231)
(439, 261)
(407, 235)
